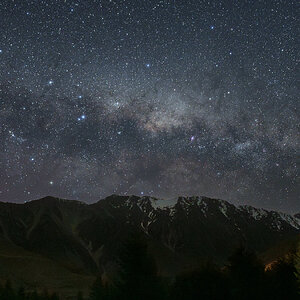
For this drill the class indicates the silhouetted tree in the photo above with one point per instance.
(21, 293)
(246, 275)
(282, 279)
(97, 290)
(297, 265)
(54, 296)
(207, 282)
(138, 278)
(7, 292)
(79, 296)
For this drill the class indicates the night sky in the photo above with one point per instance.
(146, 97)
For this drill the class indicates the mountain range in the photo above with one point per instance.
(63, 244)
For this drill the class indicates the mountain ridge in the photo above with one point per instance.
(50, 198)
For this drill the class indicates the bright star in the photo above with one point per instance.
(82, 117)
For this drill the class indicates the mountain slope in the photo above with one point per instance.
(34, 271)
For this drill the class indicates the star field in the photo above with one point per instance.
(160, 98)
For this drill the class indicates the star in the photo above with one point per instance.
(81, 118)
(129, 98)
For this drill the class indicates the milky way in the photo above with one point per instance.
(160, 98)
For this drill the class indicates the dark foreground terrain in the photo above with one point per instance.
(63, 246)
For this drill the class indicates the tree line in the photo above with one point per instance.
(8, 293)
(243, 277)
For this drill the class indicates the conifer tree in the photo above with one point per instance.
(297, 266)
(207, 282)
(21, 293)
(283, 279)
(79, 296)
(8, 292)
(97, 290)
(246, 274)
(139, 278)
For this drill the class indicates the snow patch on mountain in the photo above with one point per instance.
(163, 203)
(223, 208)
(255, 213)
(294, 222)
(202, 205)
(152, 207)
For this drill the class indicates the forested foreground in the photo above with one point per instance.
(243, 277)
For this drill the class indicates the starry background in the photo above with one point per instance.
(148, 97)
